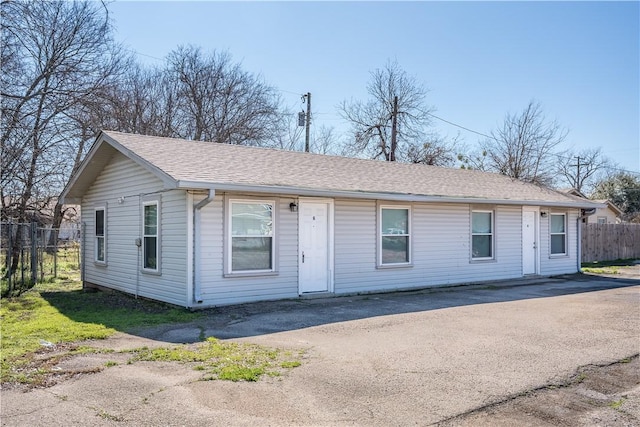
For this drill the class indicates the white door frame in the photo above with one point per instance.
(330, 237)
(536, 222)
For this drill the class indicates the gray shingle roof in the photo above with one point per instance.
(222, 166)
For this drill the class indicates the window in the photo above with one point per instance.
(602, 220)
(394, 235)
(558, 234)
(100, 233)
(251, 234)
(150, 236)
(482, 235)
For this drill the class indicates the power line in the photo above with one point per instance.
(288, 91)
(143, 54)
(560, 156)
(461, 127)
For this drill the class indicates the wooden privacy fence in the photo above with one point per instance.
(608, 242)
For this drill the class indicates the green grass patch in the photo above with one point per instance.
(58, 313)
(607, 267)
(616, 263)
(616, 404)
(223, 360)
(43, 326)
(601, 270)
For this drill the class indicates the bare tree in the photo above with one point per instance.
(218, 101)
(55, 54)
(143, 101)
(524, 146)
(395, 116)
(476, 160)
(581, 170)
(324, 140)
(436, 151)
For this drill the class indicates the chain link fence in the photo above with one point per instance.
(32, 253)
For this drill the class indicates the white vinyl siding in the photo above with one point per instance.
(441, 244)
(217, 286)
(123, 185)
(394, 243)
(559, 264)
(439, 234)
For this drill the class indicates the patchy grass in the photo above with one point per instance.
(617, 403)
(52, 315)
(601, 270)
(43, 326)
(615, 263)
(607, 267)
(222, 360)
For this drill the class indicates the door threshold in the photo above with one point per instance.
(315, 294)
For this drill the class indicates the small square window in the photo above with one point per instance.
(251, 234)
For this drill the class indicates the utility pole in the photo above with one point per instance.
(578, 184)
(308, 121)
(394, 130)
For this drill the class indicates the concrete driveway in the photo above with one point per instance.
(415, 358)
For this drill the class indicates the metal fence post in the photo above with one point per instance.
(34, 252)
(9, 259)
(55, 251)
(81, 252)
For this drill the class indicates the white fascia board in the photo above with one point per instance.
(167, 180)
(74, 178)
(310, 192)
(102, 138)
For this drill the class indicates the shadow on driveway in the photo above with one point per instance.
(253, 319)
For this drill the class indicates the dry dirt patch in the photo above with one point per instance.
(595, 396)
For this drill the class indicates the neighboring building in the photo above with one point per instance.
(201, 224)
(609, 214)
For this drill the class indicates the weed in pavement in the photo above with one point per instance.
(225, 360)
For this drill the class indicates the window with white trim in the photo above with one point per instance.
(395, 236)
(481, 235)
(558, 232)
(100, 247)
(602, 220)
(151, 236)
(251, 245)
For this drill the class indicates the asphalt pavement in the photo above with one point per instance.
(410, 358)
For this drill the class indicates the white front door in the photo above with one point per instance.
(313, 256)
(529, 242)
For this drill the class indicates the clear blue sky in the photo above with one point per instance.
(480, 60)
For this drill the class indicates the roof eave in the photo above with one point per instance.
(400, 197)
(73, 195)
(614, 208)
(168, 181)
